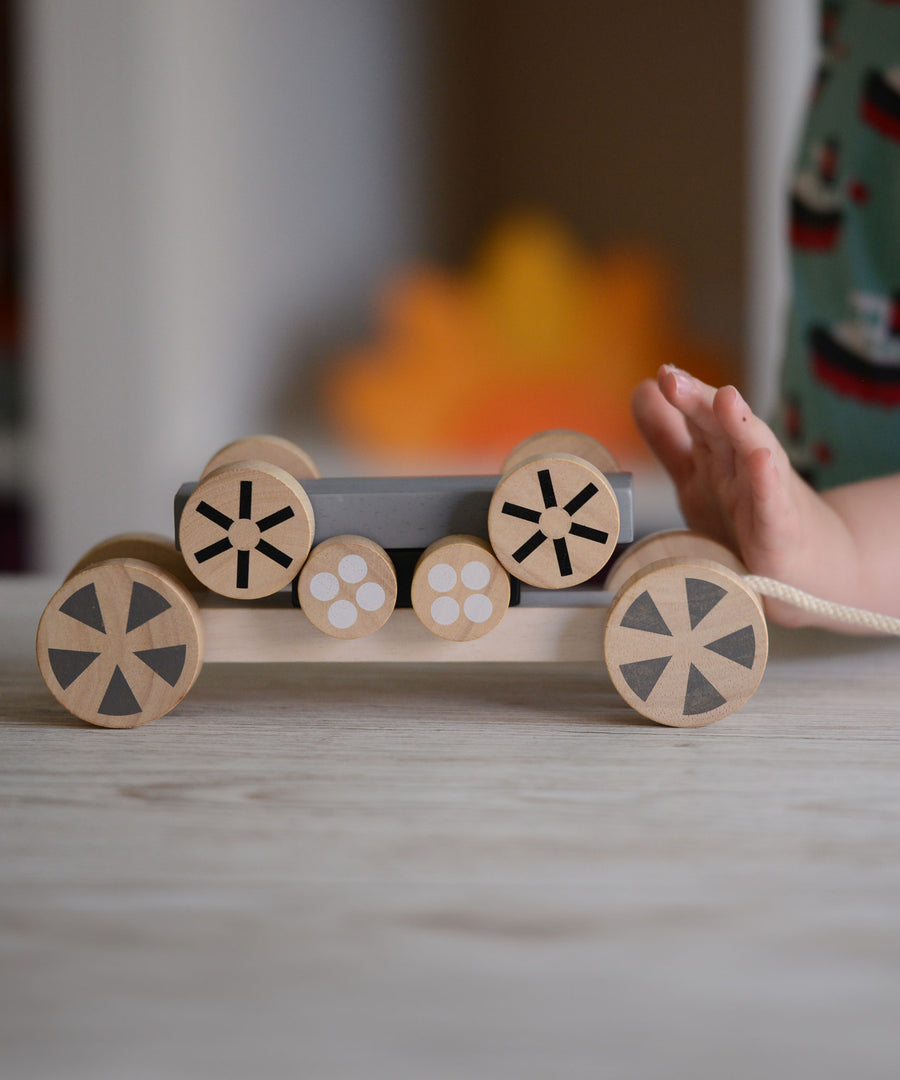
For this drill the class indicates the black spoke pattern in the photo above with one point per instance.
(530, 545)
(242, 577)
(269, 522)
(585, 495)
(213, 550)
(273, 553)
(245, 513)
(562, 557)
(214, 515)
(548, 496)
(523, 512)
(547, 492)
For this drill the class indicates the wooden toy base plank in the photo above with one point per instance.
(272, 631)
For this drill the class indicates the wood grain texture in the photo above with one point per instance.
(686, 642)
(673, 543)
(247, 529)
(347, 587)
(554, 521)
(148, 547)
(492, 870)
(273, 631)
(561, 441)
(271, 448)
(460, 592)
(120, 643)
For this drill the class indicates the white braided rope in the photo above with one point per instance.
(777, 590)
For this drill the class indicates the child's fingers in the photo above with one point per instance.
(741, 425)
(665, 431)
(772, 507)
(694, 400)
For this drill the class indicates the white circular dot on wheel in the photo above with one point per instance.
(459, 590)
(476, 575)
(348, 587)
(352, 569)
(442, 577)
(445, 611)
(478, 608)
(324, 586)
(342, 614)
(370, 596)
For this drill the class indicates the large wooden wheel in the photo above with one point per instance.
(686, 642)
(120, 643)
(554, 521)
(247, 529)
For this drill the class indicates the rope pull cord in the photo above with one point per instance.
(777, 590)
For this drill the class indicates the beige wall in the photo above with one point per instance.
(629, 119)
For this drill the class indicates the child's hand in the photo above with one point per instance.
(735, 482)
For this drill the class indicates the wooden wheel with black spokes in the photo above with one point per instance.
(554, 521)
(247, 529)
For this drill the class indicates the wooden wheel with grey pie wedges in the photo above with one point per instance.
(686, 641)
(120, 643)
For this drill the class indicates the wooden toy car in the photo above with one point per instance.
(275, 563)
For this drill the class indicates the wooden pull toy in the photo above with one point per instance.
(498, 568)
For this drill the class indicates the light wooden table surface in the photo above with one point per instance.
(451, 871)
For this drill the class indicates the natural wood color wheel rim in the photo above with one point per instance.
(247, 529)
(146, 547)
(271, 448)
(561, 441)
(554, 521)
(686, 642)
(120, 643)
(671, 544)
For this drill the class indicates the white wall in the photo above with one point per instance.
(782, 41)
(206, 178)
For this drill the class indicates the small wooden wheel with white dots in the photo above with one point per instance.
(348, 587)
(554, 521)
(459, 589)
(673, 543)
(561, 441)
(120, 643)
(271, 448)
(686, 642)
(246, 529)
